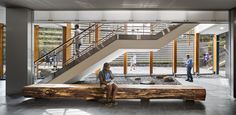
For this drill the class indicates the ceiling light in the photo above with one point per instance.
(221, 28)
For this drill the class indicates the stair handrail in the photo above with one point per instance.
(42, 57)
(93, 44)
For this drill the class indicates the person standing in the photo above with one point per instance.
(77, 39)
(206, 58)
(189, 65)
(106, 83)
(133, 63)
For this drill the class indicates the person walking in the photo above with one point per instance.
(77, 39)
(133, 63)
(189, 65)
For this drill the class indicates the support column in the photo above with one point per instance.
(36, 42)
(174, 57)
(231, 49)
(216, 54)
(125, 64)
(90, 33)
(19, 49)
(151, 62)
(1, 51)
(97, 33)
(67, 48)
(196, 53)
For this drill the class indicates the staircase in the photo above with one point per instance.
(111, 46)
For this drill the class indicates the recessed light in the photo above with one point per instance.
(221, 28)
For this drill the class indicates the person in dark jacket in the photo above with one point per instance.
(106, 82)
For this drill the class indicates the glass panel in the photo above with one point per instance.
(185, 46)
(206, 54)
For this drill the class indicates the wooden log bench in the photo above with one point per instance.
(126, 91)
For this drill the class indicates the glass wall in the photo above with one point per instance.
(206, 54)
(222, 53)
(163, 60)
(185, 46)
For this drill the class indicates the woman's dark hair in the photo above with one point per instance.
(76, 26)
(105, 65)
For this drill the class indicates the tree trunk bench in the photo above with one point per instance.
(125, 91)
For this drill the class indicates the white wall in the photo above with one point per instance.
(132, 16)
(2, 15)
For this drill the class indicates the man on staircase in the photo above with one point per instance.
(77, 39)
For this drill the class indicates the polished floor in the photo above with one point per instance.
(218, 102)
(160, 70)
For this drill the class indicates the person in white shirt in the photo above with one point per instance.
(77, 39)
(133, 63)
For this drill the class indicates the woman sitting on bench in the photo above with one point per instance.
(106, 82)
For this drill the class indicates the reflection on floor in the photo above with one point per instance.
(218, 102)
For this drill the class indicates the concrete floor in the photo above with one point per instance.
(218, 102)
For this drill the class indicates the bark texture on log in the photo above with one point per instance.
(125, 91)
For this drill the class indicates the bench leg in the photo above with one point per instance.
(190, 101)
(145, 101)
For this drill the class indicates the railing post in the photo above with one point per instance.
(152, 29)
(174, 57)
(1, 50)
(126, 28)
(36, 42)
(66, 48)
(97, 33)
(36, 70)
(196, 53)
(90, 34)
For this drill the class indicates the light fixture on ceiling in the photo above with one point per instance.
(221, 28)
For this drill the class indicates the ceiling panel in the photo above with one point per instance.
(121, 4)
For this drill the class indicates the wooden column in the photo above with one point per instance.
(174, 57)
(151, 62)
(66, 37)
(196, 53)
(125, 64)
(215, 54)
(1, 50)
(97, 33)
(36, 42)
